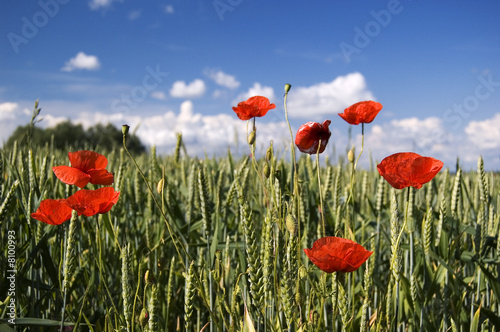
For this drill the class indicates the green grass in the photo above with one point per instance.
(217, 249)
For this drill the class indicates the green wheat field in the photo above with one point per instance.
(216, 244)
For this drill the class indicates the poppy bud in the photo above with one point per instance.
(291, 224)
(287, 87)
(350, 155)
(269, 153)
(159, 187)
(251, 137)
(125, 129)
(144, 317)
(267, 171)
(149, 277)
(302, 272)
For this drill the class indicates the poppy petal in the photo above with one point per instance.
(85, 160)
(71, 175)
(406, 169)
(256, 106)
(92, 202)
(309, 134)
(362, 112)
(52, 211)
(100, 176)
(332, 254)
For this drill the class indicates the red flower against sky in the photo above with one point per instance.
(91, 202)
(256, 106)
(408, 169)
(362, 112)
(309, 135)
(52, 211)
(86, 166)
(333, 254)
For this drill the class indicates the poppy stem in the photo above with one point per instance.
(362, 143)
(319, 189)
(292, 146)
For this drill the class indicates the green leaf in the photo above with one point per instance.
(474, 325)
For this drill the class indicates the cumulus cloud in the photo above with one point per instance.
(194, 89)
(426, 137)
(97, 4)
(257, 90)
(7, 110)
(325, 98)
(485, 134)
(211, 134)
(223, 79)
(82, 61)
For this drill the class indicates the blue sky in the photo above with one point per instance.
(179, 65)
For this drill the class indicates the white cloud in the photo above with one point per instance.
(169, 9)
(326, 98)
(256, 90)
(7, 110)
(97, 4)
(192, 90)
(212, 134)
(134, 15)
(223, 79)
(160, 95)
(82, 61)
(485, 134)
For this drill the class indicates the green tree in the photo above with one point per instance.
(69, 136)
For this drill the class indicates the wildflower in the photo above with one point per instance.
(333, 254)
(86, 166)
(52, 211)
(310, 134)
(256, 106)
(406, 169)
(91, 202)
(362, 112)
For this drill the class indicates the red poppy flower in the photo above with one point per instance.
(362, 112)
(255, 106)
(87, 166)
(91, 202)
(333, 254)
(406, 169)
(52, 211)
(309, 135)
